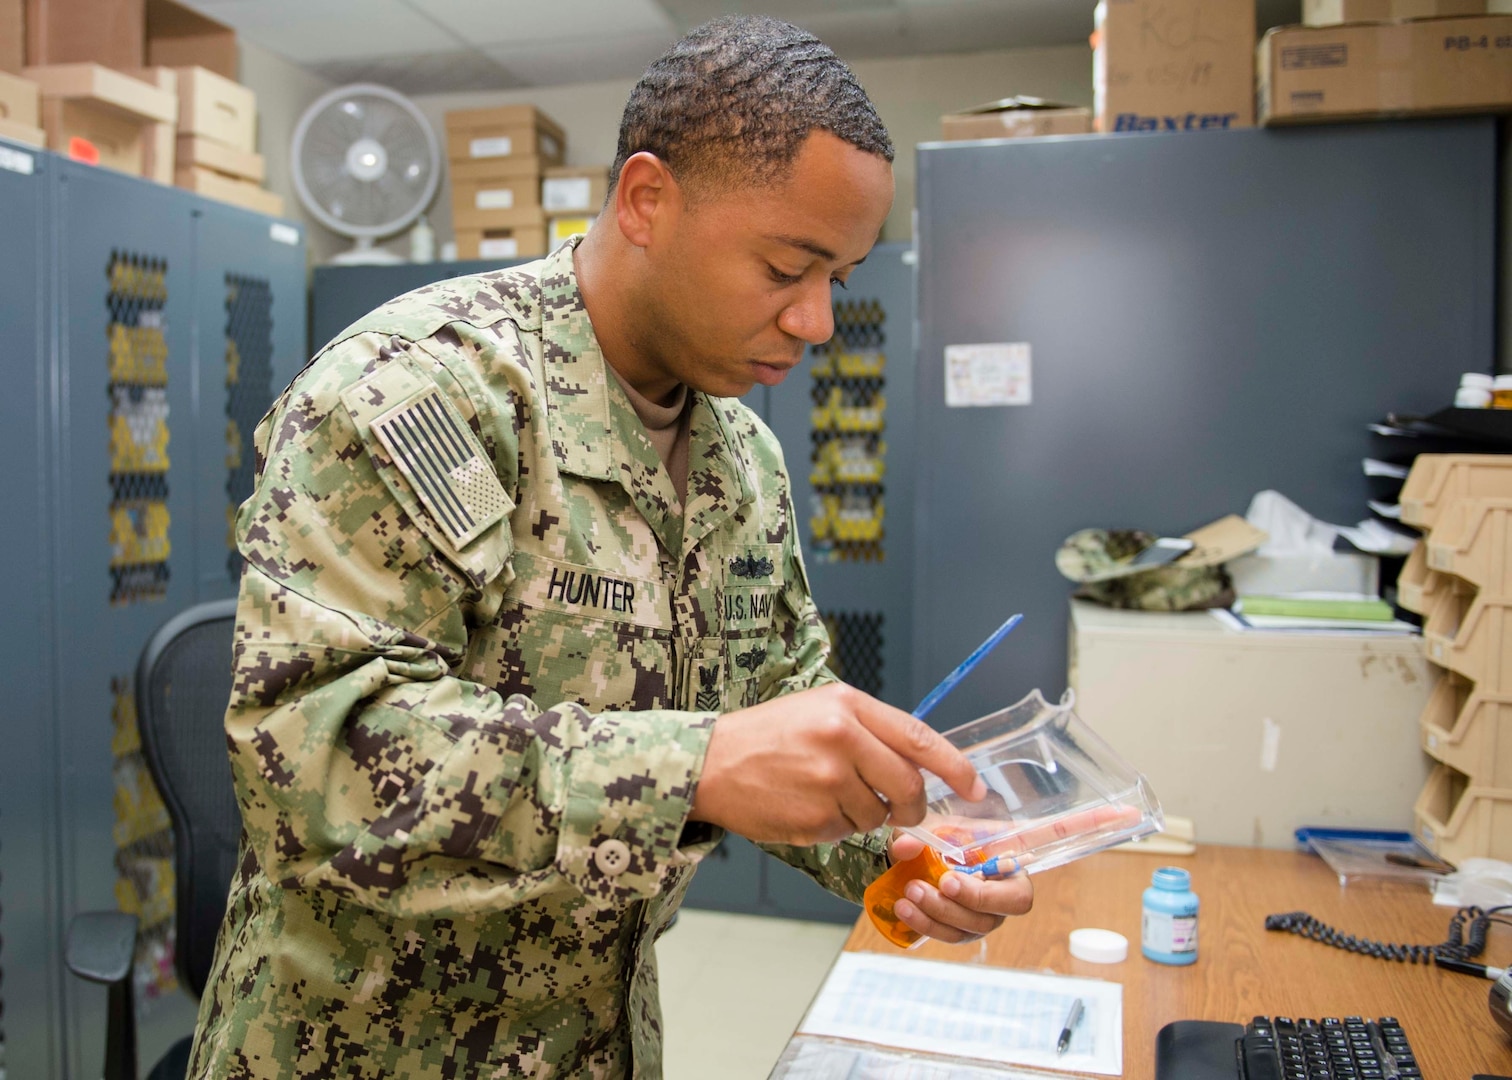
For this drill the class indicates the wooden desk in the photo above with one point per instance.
(1243, 970)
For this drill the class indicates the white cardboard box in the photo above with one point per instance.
(1253, 734)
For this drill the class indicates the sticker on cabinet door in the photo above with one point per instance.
(992, 374)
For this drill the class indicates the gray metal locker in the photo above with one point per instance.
(29, 957)
(1208, 315)
(116, 440)
(250, 305)
(125, 500)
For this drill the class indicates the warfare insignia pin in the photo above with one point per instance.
(751, 660)
(751, 566)
(438, 455)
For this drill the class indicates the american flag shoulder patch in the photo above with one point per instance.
(440, 458)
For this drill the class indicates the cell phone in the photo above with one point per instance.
(1166, 549)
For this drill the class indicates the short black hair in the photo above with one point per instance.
(734, 100)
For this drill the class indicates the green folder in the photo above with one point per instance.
(1304, 607)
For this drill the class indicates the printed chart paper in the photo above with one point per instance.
(987, 375)
(811, 1058)
(969, 1011)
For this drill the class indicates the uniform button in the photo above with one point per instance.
(612, 857)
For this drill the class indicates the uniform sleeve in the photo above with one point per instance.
(375, 539)
(848, 867)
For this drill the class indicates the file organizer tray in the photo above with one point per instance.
(1471, 633)
(1055, 792)
(1457, 820)
(1473, 540)
(1417, 585)
(1469, 729)
(1436, 480)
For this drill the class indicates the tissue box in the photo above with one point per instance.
(1280, 575)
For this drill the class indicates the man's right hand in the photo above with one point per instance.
(822, 764)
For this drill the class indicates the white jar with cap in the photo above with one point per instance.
(1474, 391)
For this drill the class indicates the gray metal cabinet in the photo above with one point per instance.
(29, 955)
(1208, 315)
(116, 437)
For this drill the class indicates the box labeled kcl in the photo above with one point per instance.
(1173, 65)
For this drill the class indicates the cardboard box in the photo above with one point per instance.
(522, 242)
(1385, 69)
(561, 229)
(574, 190)
(229, 189)
(20, 101)
(110, 89)
(217, 108)
(217, 156)
(506, 131)
(1173, 65)
(1333, 12)
(108, 32)
(21, 133)
(180, 37)
(1014, 118)
(473, 199)
(159, 151)
(12, 36)
(94, 114)
(89, 132)
(521, 217)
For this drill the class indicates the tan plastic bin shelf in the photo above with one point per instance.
(1436, 480)
(1464, 727)
(1457, 820)
(1417, 585)
(1470, 632)
(1473, 540)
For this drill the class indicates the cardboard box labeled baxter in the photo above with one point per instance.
(1173, 65)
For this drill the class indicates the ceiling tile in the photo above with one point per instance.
(488, 22)
(430, 73)
(690, 13)
(308, 31)
(591, 60)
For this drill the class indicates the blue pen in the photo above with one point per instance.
(931, 699)
(948, 683)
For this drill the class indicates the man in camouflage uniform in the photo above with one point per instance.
(524, 626)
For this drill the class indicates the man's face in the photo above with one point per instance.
(743, 280)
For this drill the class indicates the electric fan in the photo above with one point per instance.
(365, 165)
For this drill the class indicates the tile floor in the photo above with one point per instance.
(733, 988)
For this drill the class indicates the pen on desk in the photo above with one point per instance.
(1467, 967)
(1071, 1020)
(948, 683)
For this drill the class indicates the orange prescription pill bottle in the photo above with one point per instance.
(887, 890)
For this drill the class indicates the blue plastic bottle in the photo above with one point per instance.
(1169, 931)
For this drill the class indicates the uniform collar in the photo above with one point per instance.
(596, 435)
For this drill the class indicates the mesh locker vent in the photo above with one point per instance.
(143, 838)
(848, 453)
(856, 649)
(137, 387)
(249, 390)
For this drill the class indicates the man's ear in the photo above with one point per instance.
(646, 198)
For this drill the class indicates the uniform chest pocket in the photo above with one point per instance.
(565, 632)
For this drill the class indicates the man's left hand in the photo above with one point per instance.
(965, 906)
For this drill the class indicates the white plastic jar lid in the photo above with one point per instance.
(1476, 379)
(1099, 946)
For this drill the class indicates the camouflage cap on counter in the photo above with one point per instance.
(1099, 560)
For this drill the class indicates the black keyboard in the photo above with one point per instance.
(1281, 1048)
(1327, 1049)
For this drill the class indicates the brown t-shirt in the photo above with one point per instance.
(668, 427)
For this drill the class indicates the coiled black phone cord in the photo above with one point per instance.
(1456, 948)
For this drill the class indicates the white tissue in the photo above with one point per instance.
(1484, 883)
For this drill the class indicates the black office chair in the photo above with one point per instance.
(183, 683)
